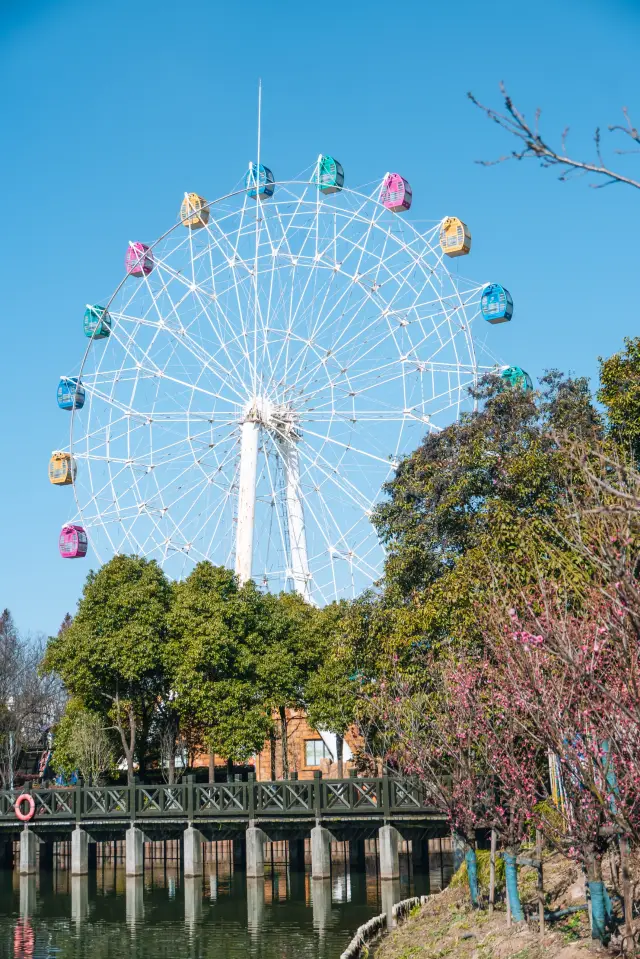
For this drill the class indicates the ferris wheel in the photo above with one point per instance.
(259, 373)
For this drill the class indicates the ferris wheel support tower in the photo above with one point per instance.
(279, 422)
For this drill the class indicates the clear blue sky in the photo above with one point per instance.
(111, 110)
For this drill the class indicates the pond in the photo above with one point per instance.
(222, 915)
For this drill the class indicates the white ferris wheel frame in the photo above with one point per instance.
(257, 417)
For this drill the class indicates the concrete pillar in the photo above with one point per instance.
(321, 903)
(255, 852)
(192, 840)
(389, 896)
(79, 898)
(240, 852)
(27, 894)
(320, 853)
(388, 837)
(28, 846)
(356, 854)
(79, 852)
(255, 906)
(45, 855)
(296, 855)
(134, 852)
(134, 892)
(6, 854)
(192, 898)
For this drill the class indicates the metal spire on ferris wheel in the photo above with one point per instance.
(260, 372)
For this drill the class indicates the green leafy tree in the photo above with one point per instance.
(212, 657)
(331, 690)
(290, 652)
(620, 394)
(81, 741)
(485, 492)
(110, 658)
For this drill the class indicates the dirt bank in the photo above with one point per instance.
(448, 926)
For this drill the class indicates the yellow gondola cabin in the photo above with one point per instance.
(194, 211)
(62, 469)
(455, 237)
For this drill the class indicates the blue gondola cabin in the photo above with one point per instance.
(329, 176)
(70, 393)
(259, 182)
(496, 304)
(515, 376)
(97, 322)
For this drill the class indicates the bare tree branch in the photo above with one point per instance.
(535, 147)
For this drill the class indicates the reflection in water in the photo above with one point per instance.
(222, 915)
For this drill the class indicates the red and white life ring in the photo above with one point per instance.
(25, 816)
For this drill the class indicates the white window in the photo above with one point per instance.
(315, 751)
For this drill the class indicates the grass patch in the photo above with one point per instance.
(483, 856)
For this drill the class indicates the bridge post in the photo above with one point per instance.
(389, 859)
(320, 852)
(192, 840)
(134, 851)
(321, 903)
(79, 852)
(28, 846)
(255, 852)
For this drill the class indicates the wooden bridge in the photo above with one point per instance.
(249, 813)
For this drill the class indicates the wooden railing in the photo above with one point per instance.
(318, 798)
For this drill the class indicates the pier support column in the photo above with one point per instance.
(192, 841)
(255, 852)
(356, 854)
(296, 855)
(134, 852)
(389, 860)
(389, 896)
(79, 852)
(28, 846)
(320, 853)
(240, 852)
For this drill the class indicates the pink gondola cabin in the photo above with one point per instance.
(73, 542)
(139, 259)
(396, 193)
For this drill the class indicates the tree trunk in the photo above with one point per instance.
(596, 892)
(627, 890)
(229, 770)
(273, 744)
(212, 766)
(339, 754)
(285, 744)
(172, 766)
